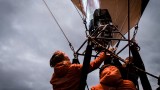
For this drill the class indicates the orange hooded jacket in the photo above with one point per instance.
(66, 76)
(110, 79)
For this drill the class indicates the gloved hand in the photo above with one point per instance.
(110, 49)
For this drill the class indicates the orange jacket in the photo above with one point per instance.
(66, 76)
(110, 79)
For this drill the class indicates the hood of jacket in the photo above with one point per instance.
(61, 69)
(111, 76)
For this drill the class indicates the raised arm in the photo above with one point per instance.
(97, 62)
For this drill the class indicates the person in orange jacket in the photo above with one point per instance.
(111, 79)
(66, 76)
(129, 72)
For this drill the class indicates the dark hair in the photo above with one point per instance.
(102, 68)
(57, 57)
(130, 59)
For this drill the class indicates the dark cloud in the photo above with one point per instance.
(21, 67)
(22, 75)
(6, 9)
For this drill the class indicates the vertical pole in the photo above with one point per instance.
(128, 33)
(129, 26)
(138, 62)
(86, 64)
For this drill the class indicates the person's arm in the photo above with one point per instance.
(97, 62)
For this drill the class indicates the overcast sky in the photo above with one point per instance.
(29, 36)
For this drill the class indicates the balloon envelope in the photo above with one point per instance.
(118, 10)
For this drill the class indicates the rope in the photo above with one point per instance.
(78, 12)
(81, 8)
(59, 26)
(82, 16)
(135, 32)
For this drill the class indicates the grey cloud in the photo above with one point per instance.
(21, 75)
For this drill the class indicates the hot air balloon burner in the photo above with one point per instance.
(101, 28)
(101, 17)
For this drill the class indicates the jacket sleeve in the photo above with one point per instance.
(127, 85)
(97, 62)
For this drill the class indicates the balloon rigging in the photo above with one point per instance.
(111, 21)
